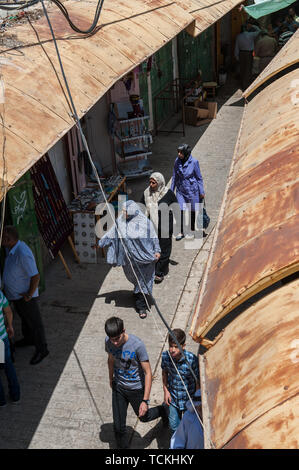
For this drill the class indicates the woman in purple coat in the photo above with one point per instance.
(188, 182)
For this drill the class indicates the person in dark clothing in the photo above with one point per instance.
(157, 199)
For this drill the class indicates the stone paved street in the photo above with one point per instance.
(66, 400)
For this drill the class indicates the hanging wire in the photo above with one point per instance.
(17, 5)
(4, 163)
(79, 127)
(92, 28)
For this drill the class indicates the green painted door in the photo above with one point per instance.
(162, 75)
(21, 205)
(196, 54)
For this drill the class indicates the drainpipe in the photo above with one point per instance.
(174, 45)
(150, 102)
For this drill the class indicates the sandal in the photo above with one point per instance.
(142, 314)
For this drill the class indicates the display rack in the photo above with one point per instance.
(132, 140)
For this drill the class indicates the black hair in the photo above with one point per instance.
(12, 232)
(185, 149)
(114, 326)
(179, 335)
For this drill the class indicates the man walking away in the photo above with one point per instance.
(244, 52)
(20, 281)
(265, 49)
(130, 378)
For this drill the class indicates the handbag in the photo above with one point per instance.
(204, 215)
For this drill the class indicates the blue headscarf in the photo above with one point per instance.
(136, 233)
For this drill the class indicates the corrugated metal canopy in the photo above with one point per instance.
(250, 377)
(35, 111)
(206, 12)
(256, 238)
(286, 57)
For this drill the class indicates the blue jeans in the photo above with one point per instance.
(174, 417)
(13, 384)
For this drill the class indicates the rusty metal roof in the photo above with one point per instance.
(35, 112)
(256, 238)
(287, 56)
(206, 12)
(250, 377)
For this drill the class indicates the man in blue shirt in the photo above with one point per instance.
(244, 52)
(20, 281)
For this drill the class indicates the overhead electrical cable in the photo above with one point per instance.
(79, 127)
(92, 28)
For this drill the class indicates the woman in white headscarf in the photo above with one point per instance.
(153, 197)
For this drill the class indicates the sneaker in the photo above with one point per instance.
(179, 237)
(38, 357)
(189, 236)
(15, 402)
(2, 405)
(164, 411)
(158, 279)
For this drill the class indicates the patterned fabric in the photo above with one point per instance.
(3, 303)
(284, 37)
(175, 386)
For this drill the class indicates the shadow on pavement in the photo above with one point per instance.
(65, 306)
(136, 441)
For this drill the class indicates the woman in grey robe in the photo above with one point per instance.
(133, 244)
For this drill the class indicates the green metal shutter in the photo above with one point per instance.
(143, 86)
(196, 54)
(21, 205)
(161, 75)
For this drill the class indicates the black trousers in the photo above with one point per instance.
(121, 398)
(32, 324)
(187, 214)
(246, 59)
(162, 266)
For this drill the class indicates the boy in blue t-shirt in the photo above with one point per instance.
(7, 332)
(173, 366)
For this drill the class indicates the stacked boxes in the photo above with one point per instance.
(202, 112)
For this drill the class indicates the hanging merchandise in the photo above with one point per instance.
(132, 138)
(55, 224)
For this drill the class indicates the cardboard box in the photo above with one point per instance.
(201, 113)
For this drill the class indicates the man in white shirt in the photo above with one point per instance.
(244, 52)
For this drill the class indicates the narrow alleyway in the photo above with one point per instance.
(66, 400)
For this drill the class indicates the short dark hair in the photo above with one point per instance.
(179, 335)
(114, 326)
(11, 231)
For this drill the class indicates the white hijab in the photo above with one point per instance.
(153, 197)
